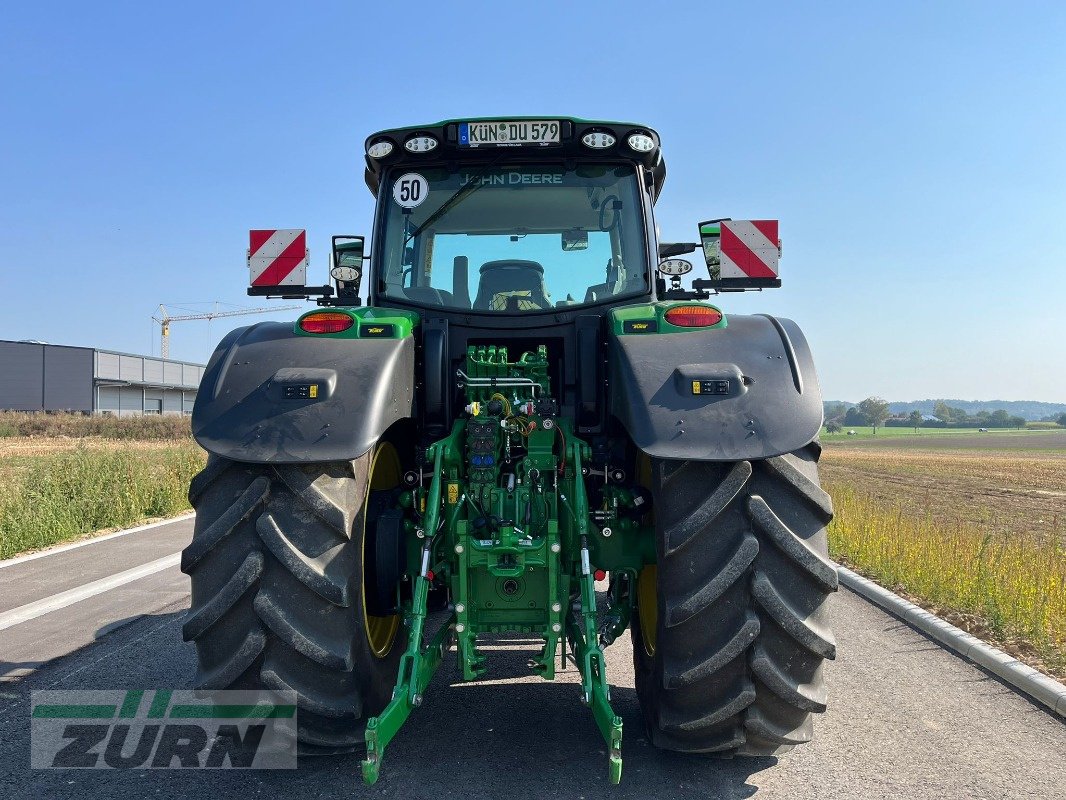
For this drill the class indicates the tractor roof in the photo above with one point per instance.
(454, 140)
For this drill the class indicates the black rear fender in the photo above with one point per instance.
(269, 395)
(757, 393)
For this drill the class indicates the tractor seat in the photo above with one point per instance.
(428, 295)
(511, 285)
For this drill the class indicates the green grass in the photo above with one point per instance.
(866, 432)
(1010, 588)
(60, 496)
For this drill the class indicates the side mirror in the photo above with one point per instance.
(741, 254)
(575, 240)
(347, 268)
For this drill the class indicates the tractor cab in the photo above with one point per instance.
(519, 217)
(522, 238)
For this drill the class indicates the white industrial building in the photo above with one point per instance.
(48, 377)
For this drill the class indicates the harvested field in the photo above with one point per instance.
(977, 536)
(931, 439)
(1002, 491)
(140, 428)
(13, 448)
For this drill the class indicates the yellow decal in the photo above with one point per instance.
(422, 504)
(695, 387)
(640, 326)
(375, 330)
(453, 493)
(313, 392)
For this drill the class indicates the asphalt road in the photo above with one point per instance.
(907, 719)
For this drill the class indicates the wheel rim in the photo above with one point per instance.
(385, 473)
(648, 606)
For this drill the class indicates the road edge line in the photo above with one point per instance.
(1029, 681)
(46, 605)
(62, 548)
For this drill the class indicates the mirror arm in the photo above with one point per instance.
(676, 249)
(290, 292)
(702, 289)
(342, 299)
(685, 294)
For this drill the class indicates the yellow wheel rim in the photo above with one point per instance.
(385, 473)
(648, 606)
(647, 599)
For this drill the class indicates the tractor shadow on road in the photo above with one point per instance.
(532, 738)
(510, 736)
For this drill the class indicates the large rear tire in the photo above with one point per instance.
(277, 565)
(731, 629)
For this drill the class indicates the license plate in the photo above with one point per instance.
(508, 134)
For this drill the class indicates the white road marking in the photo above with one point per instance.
(17, 616)
(65, 547)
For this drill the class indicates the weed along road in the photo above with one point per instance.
(906, 718)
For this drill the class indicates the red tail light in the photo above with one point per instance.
(693, 316)
(326, 322)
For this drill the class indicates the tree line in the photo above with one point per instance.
(873, 412)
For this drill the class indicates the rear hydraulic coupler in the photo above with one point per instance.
(505, 525)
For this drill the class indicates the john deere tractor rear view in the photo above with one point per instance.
(534, 423)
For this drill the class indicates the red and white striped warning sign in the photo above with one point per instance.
(278, 257)
(749, 248)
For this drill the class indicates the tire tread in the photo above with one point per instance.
(743, 580)
(277, 592)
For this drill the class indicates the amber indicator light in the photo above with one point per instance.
(326, 322)
(693, 316)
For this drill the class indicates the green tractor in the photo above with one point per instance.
(534, 424)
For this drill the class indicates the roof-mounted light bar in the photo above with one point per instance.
(598, 140)
(640, 142)
(471, 140)
(420, 144)
(380, 148)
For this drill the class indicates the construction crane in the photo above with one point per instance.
(164, 319)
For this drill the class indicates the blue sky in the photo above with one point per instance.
(915, 154)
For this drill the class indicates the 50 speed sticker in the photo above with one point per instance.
(410, 190)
